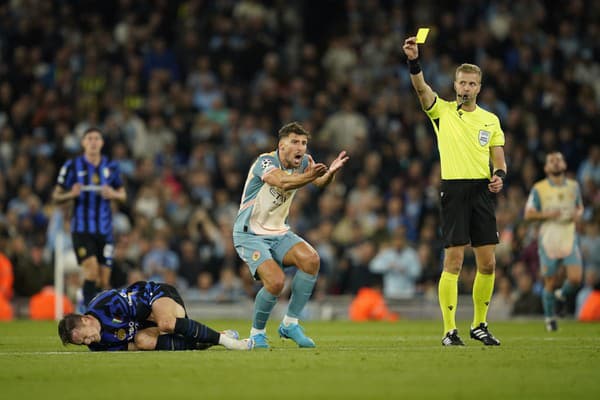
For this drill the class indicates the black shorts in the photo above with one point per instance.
(88, 245)
(468, 213)
(149, 292)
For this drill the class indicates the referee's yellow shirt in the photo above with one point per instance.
(464, 139)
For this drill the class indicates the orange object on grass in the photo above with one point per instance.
(41, 305)
(590, 311)
(6, 277)
(6, 310)
(369, 305)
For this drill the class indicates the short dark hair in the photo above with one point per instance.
(66, 327)
(293, 127)
(90, 130)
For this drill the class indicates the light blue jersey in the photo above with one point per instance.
(260, 231)
(264, 209)
(558, 241)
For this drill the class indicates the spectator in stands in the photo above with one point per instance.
(159, 260)
(400, 266)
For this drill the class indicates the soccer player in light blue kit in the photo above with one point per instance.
(556, 203)
(265, 242)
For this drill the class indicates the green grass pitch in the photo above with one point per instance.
(402, 360)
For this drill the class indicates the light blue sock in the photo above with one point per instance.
(302, 287)
(263, 305)
(548, 300)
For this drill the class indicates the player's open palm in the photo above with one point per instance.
(339, 162)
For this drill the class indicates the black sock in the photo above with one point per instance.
(89, 291)
(196, 331)
(173, 342)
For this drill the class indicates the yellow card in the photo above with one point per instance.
(422, 35)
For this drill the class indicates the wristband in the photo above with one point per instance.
(414, 67)
(501, 173)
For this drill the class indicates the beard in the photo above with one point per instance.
(557, 174)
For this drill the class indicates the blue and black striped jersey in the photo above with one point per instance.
(92, 213)
(122, 312)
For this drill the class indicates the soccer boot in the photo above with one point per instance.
(551, 325)
(452, 339)
(260, 341)
(296, 333)
(228, 332)
(482, 334)
(231, 333)
(560, 306)
(239, 344)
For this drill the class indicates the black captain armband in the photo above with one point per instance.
(414, 67)
(501, 173)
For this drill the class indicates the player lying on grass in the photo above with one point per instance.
(143, 316)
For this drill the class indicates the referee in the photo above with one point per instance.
(92, 181)
(468, 138)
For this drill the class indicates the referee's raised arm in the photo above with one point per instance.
(424, 91)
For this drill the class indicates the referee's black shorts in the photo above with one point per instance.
(468, 213)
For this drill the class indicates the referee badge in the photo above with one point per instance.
(484, 137)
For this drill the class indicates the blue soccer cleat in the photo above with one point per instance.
(296, 333)
(260, 341)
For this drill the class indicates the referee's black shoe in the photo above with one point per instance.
(482, 334)
(452, 339)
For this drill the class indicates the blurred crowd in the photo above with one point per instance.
(189, 92)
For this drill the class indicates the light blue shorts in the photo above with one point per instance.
(256, 249)
(549, 266)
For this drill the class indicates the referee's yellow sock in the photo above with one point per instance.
(448, 296)
(482, 294)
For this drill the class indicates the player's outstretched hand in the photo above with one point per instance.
(315, 169)
(339, 162)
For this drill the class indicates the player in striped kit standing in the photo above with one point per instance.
(91, 181)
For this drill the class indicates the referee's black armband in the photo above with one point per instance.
(501, 173)
(414, 67)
